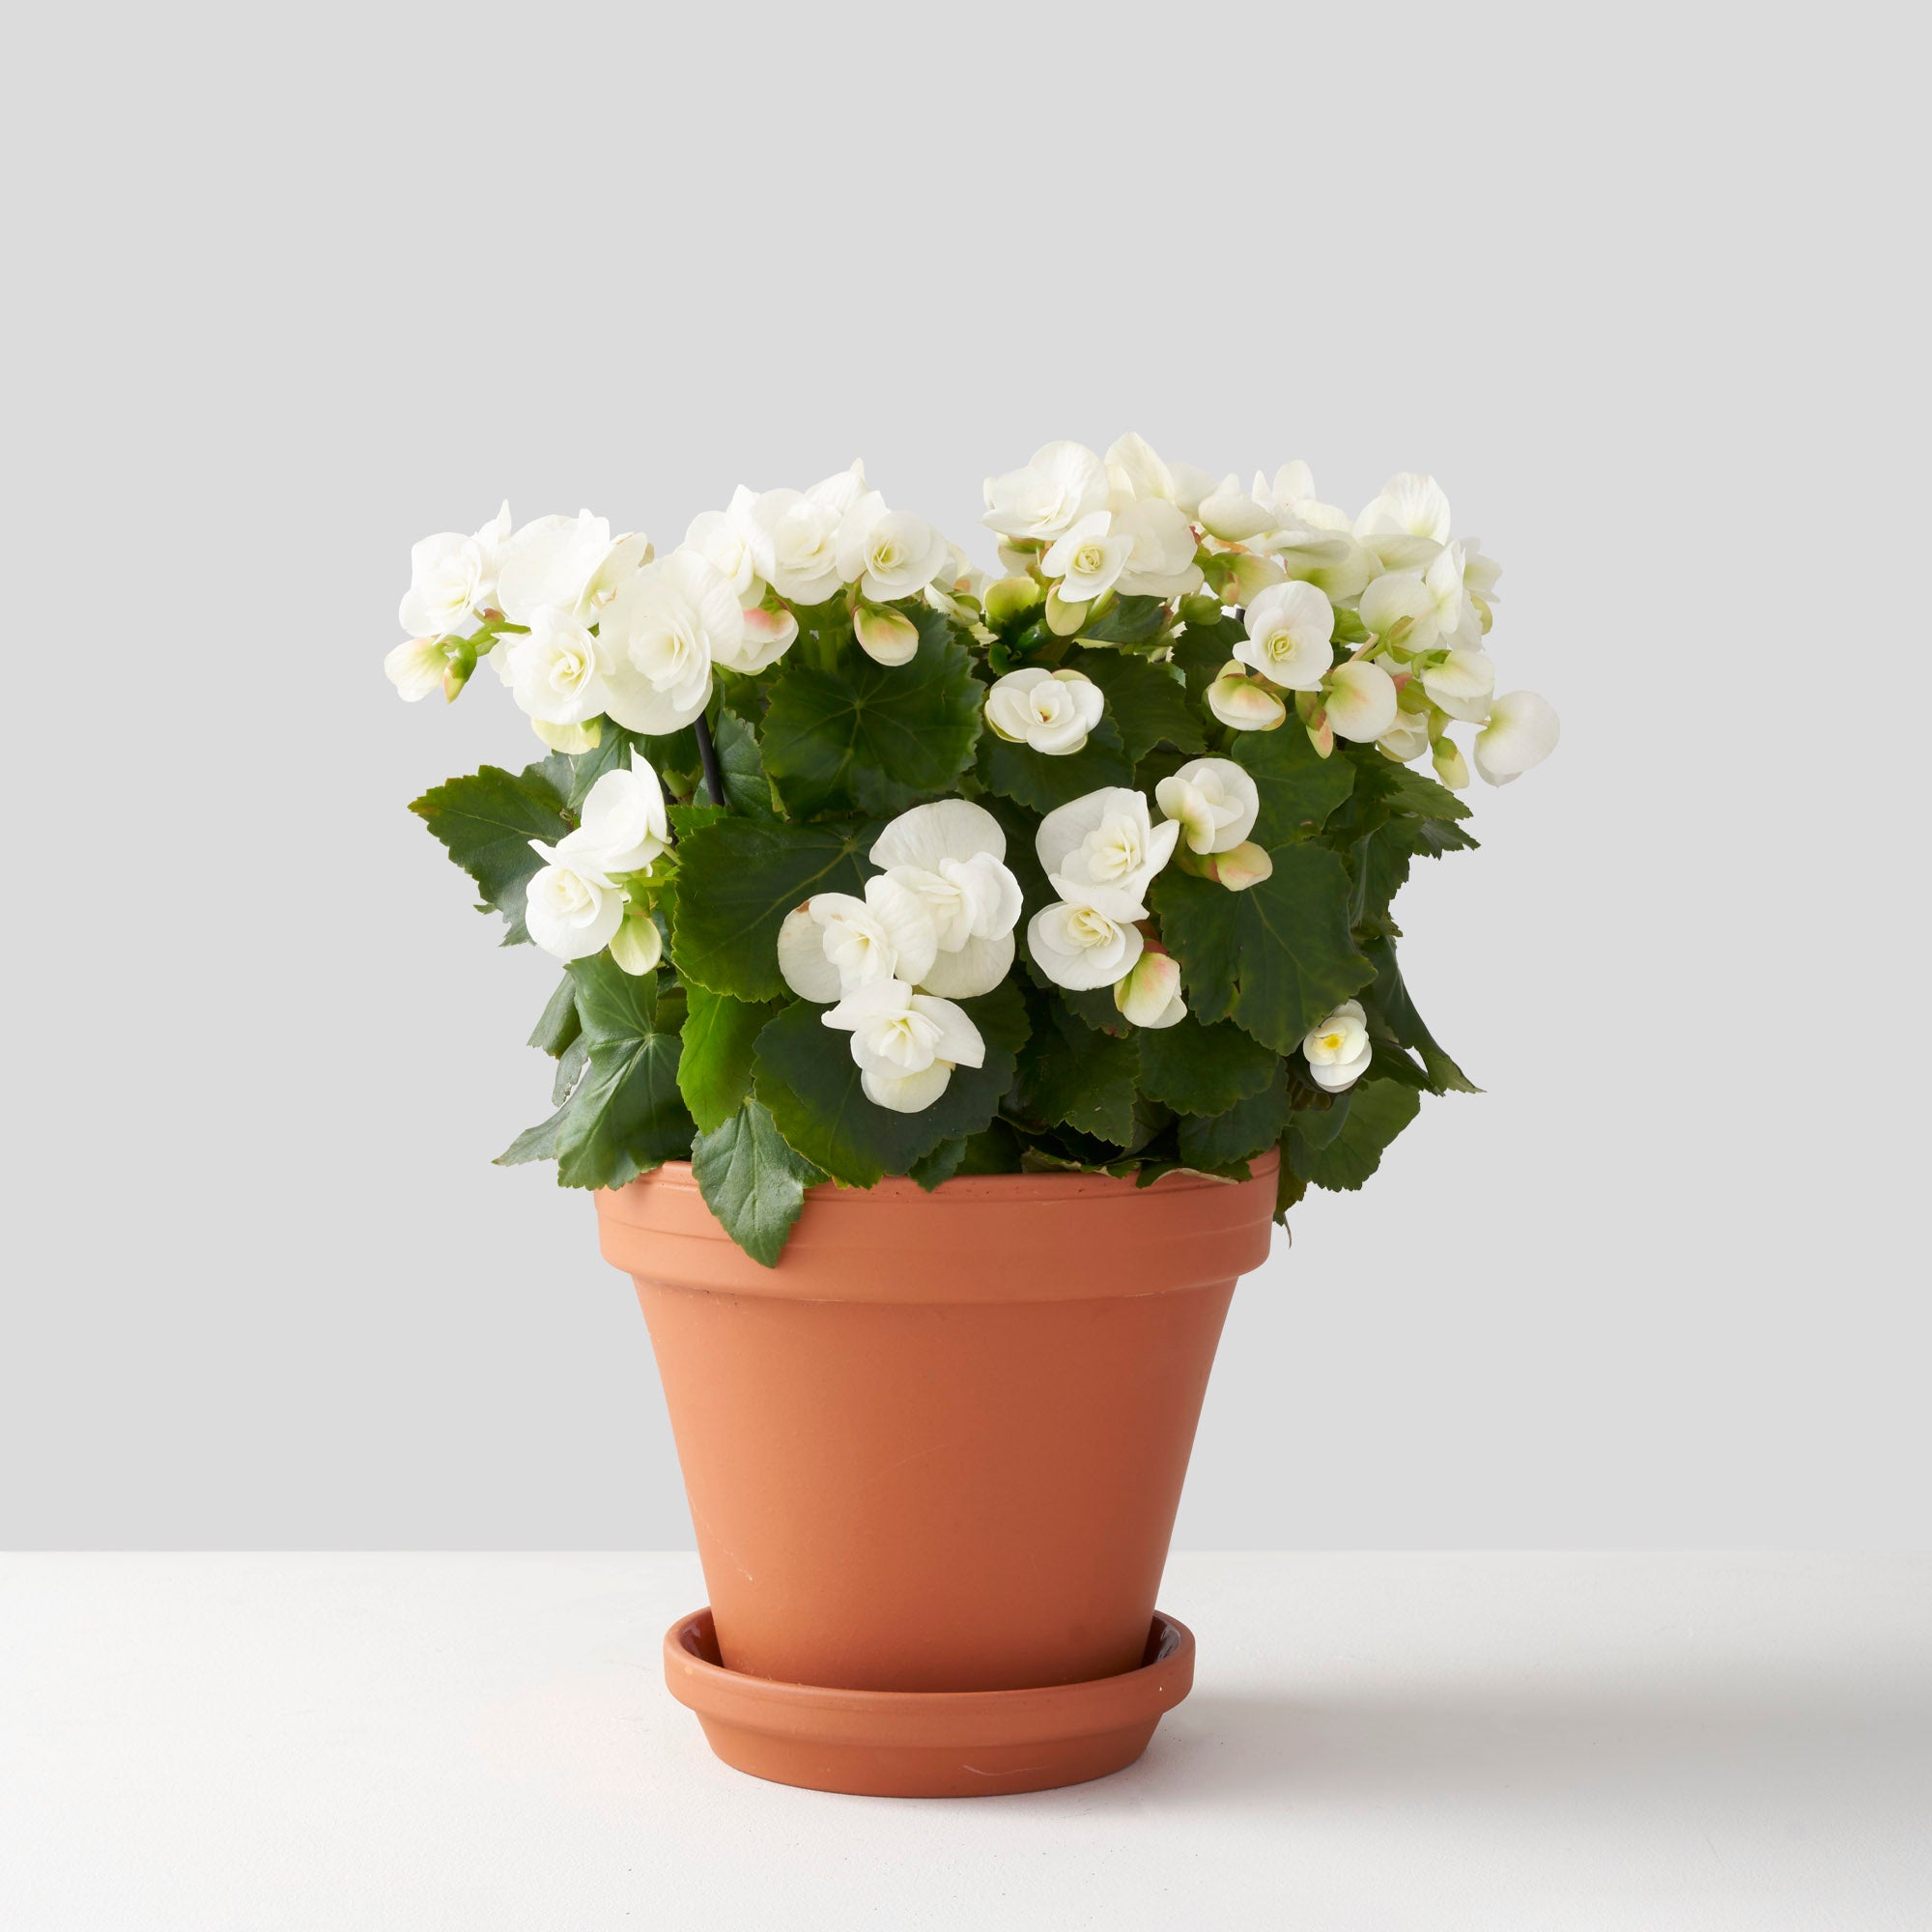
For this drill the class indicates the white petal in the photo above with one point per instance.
(801, 960)
(950, 828)
(972, 969)
(959, 1040)
(906, 1092)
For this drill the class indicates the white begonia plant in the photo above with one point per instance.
(762, 659)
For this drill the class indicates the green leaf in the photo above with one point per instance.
(626, 1115)
(868, 736)
(806, 1077)
(537, 1143)
(1390, 998)
(751, 1181)
(1277, 957)
(1148, 700)
(714, 1073)
(1249, 1127)
(1377, 1111)
(1204, 1070)
(1128, 620)
(570, 1065)
(1042, 780)
(741, 765)
(1076, 1077)
(1201, 649)
(486, 823)
(1298, 786)
(938, 1167)
(738, 878)
(1405, 790)
(559, 1025)
(1321, 1117)
(994, 1150)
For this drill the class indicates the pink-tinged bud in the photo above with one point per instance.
(1242, 702)
(1247, 865)
(1321, 735)
(886, 637)
(1149, 995)
(770, 629)
(1008, 599)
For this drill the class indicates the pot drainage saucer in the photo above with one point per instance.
(927, 1744)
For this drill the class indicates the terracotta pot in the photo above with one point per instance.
(940, 1447)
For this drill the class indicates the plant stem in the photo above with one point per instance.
(707, 752)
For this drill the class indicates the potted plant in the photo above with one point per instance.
(960, 973)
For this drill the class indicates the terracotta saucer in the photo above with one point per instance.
(917, 1744)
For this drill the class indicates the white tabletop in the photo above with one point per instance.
(1437, 1741)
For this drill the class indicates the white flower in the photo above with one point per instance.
(1244, 702)
(795, 544)
(905, 1043)
(1400, 609)
(1361, 701)
(570, 562)
(1338, 1049)
(1333, 561)
(416, 667)
(1135, 474)
(724, 540)
(453, 579)
(834, 944)
(1410, 505)
(571, 906)
(886, 552)
(1479, 572)
(1461, 684)
(1089, 938)
(1407, 738)
(1149, 995)
(1290, 626)
(1456, 617)
(949, 857)
(1050, 710)
(637, 946)
(1214, 802)
(958, 577)
(1160, 551)
(554, 669)
(1106, 838)
(624, 827)
(658, 637)
(1522, 732)
(842, 491)
(1087, 560)
(1291, 501)
(1232, 515)
(1065, 482)
(569, 738)
(886, 637)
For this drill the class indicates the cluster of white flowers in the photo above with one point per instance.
(593, 889)
(1101, 853)
(1412, 605)
(935, 925)
(581, 625)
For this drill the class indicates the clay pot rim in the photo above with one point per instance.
(944, 1721)
(1072, 1185)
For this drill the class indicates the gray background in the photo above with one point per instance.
(292, 295)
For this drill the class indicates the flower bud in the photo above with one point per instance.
(1008, 598)
(1247, 865)
(1252, 575)
(637, 946)
(1242, 702)
(1446, 755)
(886, 637)
(1063, 620)
(461, 655)
(569, 738)
(1201, 609)
(1149, 995)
